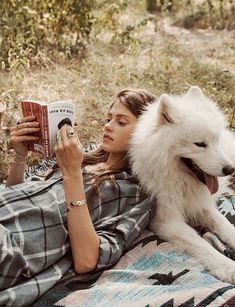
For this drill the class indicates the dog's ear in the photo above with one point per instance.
(165, 110)
(195, 91)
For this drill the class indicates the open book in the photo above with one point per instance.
(51, 116)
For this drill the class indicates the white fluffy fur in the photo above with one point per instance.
(167, 131)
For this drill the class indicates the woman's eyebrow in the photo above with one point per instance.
(119, 115)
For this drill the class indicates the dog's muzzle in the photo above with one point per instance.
(210, 181)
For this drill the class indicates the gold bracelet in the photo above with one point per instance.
(78, 203)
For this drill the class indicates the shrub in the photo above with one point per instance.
(31, 27)
(121, 24)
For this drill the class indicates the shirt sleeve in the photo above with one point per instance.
(118, 233)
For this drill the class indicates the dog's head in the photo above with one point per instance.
(195, 127)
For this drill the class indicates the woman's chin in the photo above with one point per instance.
(105, 147)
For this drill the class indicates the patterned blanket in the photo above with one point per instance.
(151, 273)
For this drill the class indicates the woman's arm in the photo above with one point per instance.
(83, 238)
(16, 171)
(19, 135)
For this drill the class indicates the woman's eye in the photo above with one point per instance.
(118, 122)
(201, 144)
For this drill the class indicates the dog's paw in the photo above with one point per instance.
(225, 272)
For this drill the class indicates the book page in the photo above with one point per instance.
(58, 111)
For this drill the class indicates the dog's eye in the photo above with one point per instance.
(201, 144)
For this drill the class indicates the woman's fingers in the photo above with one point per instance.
(68, 135)
(29, 118)
(24, 131)
(23, 125)
(64, 133)
(69, 142)
(69, 153)
(19, 139)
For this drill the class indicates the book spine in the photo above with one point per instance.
(33, 108)
(27, 111)
(45, 132)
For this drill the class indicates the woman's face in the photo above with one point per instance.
(118, 129)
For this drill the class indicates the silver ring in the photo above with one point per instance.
(18, 122)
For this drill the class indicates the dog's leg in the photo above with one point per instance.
(188, 240)
(218, 224)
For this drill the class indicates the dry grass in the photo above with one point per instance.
(153, 60)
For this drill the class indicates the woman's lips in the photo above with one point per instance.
(106, 137)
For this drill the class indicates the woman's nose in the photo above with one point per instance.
(108, 126)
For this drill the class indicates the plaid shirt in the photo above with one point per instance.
(34, 246)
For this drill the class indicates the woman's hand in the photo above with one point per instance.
(21, 133)
(69, 152)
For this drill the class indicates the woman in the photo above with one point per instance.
(105, 209)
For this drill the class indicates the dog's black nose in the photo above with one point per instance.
(228, 170)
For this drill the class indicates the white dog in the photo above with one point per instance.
(180, 151)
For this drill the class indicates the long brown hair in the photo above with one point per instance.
(136, 101)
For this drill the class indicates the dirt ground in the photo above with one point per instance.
(209, 46)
